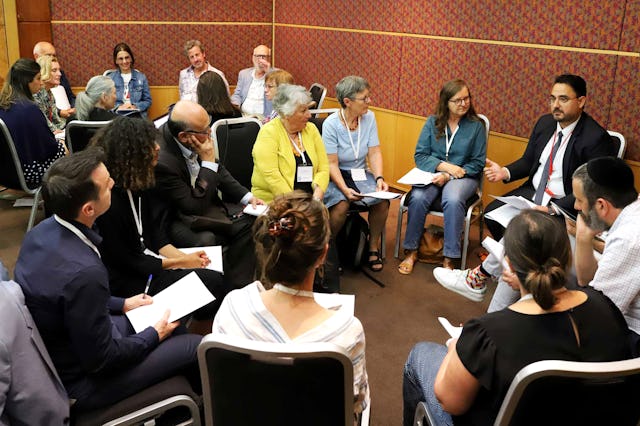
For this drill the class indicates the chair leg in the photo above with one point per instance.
(383, 243)
(34, 210)
(465, 236)
(396, 250)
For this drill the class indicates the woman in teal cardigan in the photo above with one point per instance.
(289, 153)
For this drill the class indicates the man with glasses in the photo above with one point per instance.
(561, 141)
(249, 93)
(189, 179)
(189, 77)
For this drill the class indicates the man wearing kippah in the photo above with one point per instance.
(607, 200)
(560, 142)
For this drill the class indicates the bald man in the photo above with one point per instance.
(44, 48)
(249, 93)
(189, 178)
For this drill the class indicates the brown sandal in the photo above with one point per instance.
(406, 266)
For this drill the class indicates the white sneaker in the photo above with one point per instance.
(456, 280)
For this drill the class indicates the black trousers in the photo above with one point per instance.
(238, 248)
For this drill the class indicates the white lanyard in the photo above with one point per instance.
(295, 145)
(78, 233)
(527, 296)
(356, 151)
(137, 215)
(448, 141)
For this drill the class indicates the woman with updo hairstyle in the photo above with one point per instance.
(213, 96)
(291, 243)
(551, 321)
(134, 229)
(97, 100)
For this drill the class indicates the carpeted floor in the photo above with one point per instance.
(395, 317)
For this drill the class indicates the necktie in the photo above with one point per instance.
(545, 172)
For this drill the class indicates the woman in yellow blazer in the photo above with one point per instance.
(289, 153)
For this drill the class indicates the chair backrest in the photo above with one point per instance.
(233, 139)
(319, 115)
(586, 392)
(318, 92)
(13, 175)
(248, 382)
(622, 143)
(78, 133)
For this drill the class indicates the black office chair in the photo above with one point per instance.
(319, 115)
(233, 139)
(78, 133)
(10, 163)
(260, 383)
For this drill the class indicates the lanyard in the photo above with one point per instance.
(555, 135)
(448, 141)
(137, 215)
(78, 233)
(298, 149)
(292, 291)
(356, 151)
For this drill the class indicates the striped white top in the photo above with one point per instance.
(243, 314)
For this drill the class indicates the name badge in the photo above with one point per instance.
(305, 173)
(358, 175)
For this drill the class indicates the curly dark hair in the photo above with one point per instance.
(129, 145)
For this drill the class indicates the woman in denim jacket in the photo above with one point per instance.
(132, 87)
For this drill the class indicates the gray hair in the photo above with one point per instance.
(349, 86)
(289, 97)
(87, 100)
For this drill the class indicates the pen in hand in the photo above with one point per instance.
(146, 289)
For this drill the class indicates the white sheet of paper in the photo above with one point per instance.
(383, 195)
(213, 252)
(564, 213)
(516, 201)
(60, 96)
(416, 176)
(60, 135)
(23, 202)
(503, 214)
(258, 211)
(335, 301)
(451, 329)
(181, 298)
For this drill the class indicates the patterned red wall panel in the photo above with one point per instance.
(631, 30)
(509, 84)
(625, 117)
(590, 23)
(87, 49)
(163, 10)
(327, 56)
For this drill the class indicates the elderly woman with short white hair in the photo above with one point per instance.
(289, 153)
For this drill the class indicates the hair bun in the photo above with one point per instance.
(282, 227)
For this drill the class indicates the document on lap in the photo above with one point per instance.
(511, 208)
(214, 253)
(383, 195)
(259, 210)
(181, 298)
(417, 177)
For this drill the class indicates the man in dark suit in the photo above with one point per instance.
(560, 142)
(189, 178)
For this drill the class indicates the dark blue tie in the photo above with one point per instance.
(545, 172)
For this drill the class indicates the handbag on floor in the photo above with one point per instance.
(431, 245)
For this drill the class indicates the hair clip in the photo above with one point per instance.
(284, 225)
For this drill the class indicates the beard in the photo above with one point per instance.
(593, 221)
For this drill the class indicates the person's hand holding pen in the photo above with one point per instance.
(140, 299)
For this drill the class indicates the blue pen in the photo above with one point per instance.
(146, 289)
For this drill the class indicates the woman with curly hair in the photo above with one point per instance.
(292, 240)
(135, 243)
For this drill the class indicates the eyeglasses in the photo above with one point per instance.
(199, 132)
(262, 56)
(363, 99)
(460, 101)
(562, 99)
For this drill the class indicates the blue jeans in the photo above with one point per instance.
(455, 194)
(417, 384)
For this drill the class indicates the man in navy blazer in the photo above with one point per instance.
(30, 390)
(249, 93)
(570, 137)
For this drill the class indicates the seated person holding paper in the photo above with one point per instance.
(188, 178)
(289, 153)
(96, 352)
(560, 142)
(134, 229)
(291, 243)
(454, 143)
(351, 139)
(470, 378)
